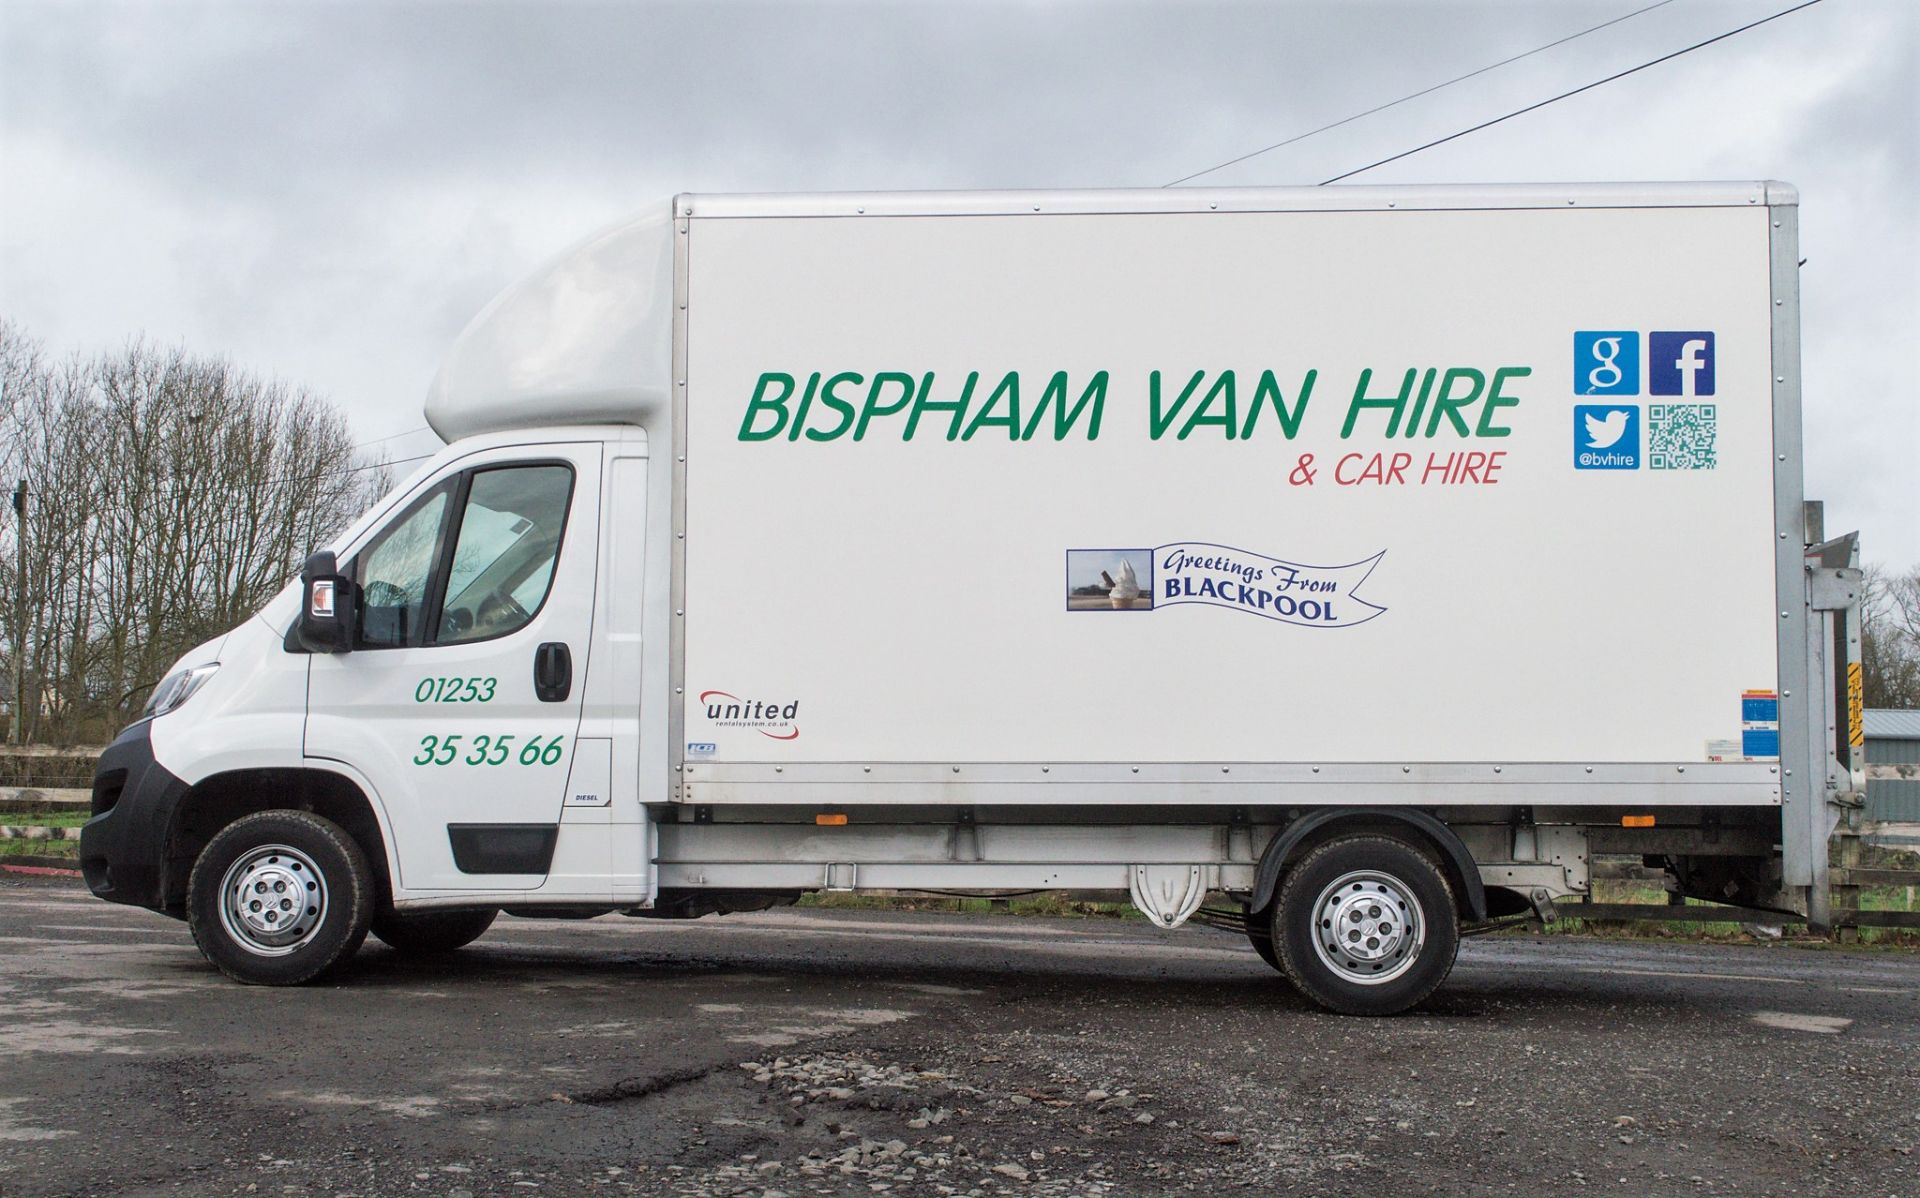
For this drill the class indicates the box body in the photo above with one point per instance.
(1422, 485)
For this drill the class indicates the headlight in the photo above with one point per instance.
(176, 688)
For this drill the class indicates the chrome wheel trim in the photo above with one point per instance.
(1368, 927)
(273, 900)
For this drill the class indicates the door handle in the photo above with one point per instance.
(552, 672)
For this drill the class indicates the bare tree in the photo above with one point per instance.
(171, 496)
(1890, 637)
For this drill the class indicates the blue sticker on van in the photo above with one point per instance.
(1758, 709)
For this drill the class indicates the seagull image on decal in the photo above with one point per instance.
(1603, 432)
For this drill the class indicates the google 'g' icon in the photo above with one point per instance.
(1606, 363)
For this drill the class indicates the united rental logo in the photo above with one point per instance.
(770, 718)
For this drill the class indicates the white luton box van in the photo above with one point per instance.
(1367, 557)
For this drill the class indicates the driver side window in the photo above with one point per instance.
(470, 561)
(504, 556)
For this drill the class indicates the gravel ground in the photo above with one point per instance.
(862, 1053)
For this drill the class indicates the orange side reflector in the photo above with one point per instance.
(1636, 821)
(839, 821)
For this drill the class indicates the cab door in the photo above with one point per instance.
(461, 698)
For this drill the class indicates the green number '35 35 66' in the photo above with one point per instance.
(486, 749)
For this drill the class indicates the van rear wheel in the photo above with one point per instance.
(280, 898)
(420, 933)
(1366, 925)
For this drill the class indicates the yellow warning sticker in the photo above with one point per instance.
(1856, 705)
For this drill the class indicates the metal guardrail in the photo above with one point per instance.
(36, 832)
(1857, 876)
(42, 768)
(1843, 917)
(1643, 912)
(30, 798)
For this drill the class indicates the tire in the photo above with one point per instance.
(240, 898)
(1401, 926)
(421, 933)
(1260, 935)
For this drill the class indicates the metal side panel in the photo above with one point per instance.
(826, 785)
(1226, 200)
(1833, 587)
(937, 844)
(677, 647)
(894, 876)
(1803, 805)
(880, 856)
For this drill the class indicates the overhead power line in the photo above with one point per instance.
(166, 495)
(393, 436)
(1425, 91)
(314, 478)
(418, 457)
(1440, 141)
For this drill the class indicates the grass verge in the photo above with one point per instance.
(1881, 898)
(44, 819)
(66, 850)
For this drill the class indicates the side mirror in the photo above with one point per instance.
(326, 606)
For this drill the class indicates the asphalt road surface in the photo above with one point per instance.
(806, 1052)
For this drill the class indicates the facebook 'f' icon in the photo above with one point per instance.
(1606, 363)
(1680, 363)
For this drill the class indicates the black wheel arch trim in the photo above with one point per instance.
(128, 848)
(123, 843)
(1281, 849)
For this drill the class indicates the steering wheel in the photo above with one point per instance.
(500, 611)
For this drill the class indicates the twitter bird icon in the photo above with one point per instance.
(1603, 431)
(1606, 436)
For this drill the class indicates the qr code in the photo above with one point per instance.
(1681, 436)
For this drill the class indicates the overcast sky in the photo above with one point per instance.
(328, 192)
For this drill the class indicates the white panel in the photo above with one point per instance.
(910, 596)
(582, 863)
(439, 729)
(590, 781)
(586, 338)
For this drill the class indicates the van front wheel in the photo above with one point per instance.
(279, 898)
(1365, 925)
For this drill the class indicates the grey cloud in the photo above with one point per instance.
(329, 191)
(270, 100)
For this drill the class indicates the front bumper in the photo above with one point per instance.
(123, 848)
